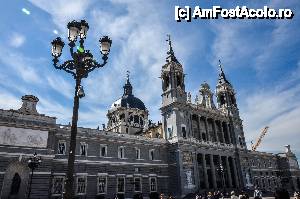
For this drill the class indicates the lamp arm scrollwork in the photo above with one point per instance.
(68, 66)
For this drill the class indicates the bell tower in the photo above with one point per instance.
(174, 97)
(226, 95)
(172, 79)
(227, 104)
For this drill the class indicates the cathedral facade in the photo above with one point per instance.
(198, 146)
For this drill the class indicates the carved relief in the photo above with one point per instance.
(23, 137)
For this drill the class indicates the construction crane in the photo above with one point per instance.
(258, 141)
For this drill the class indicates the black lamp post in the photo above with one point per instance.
(81, 64)
(33, 163)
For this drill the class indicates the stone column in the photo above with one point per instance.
(206, 130)
(235, 173)
(199, 127)
(228, 172)
(215, 130)
(205, 171)
(196, 170)
(191, 134)
(222, 132)
(228, 134)
(213, 171)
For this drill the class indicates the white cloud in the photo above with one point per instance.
(24, 10)
(63, 11)
(16, 40)
(60, 85)
(9, 101)
(22, 66)
(54, 109)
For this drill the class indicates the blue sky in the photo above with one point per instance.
(261, 58)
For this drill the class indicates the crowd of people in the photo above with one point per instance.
(257, 194)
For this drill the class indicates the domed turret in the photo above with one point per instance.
(128, 100)
(128, 114)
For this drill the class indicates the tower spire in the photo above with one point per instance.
(222, 77)
(170, 53)
(170, 44)
(127, 87)
(127, 75)
(220, 66)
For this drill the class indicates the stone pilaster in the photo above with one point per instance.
(228, 134)
(215, 130)
(205, 171)
(228, 172)
(206, 129)
(235, 172)
(213, 171)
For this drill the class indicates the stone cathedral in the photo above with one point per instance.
(198, 146)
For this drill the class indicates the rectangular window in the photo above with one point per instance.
(151, 154)
(153, 184)
(83, 148)
(121, 152)
(81, 185)
(183, 132)
(62, 147)
(103, 150)
(58, 185)
(137, 153)
(137, 184)
(170, 132)
(121, 185)
(102, 184)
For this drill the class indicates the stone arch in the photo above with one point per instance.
(22, 171)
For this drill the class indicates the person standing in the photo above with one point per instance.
(257, 194)
(233, 195)
(297, 195)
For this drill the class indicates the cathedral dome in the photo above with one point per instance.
(128, 100)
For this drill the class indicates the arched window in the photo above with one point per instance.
(233, 101)
(136, 119)
(166, 82)
(141, 121)
(179, 82)
(15, 185)
(222, 99)
(130, 119)
(122, 117)
(204, 136)
(241, 141)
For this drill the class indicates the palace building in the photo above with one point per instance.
(198, 146)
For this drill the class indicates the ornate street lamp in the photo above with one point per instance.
(80, 66)
(33, 163)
